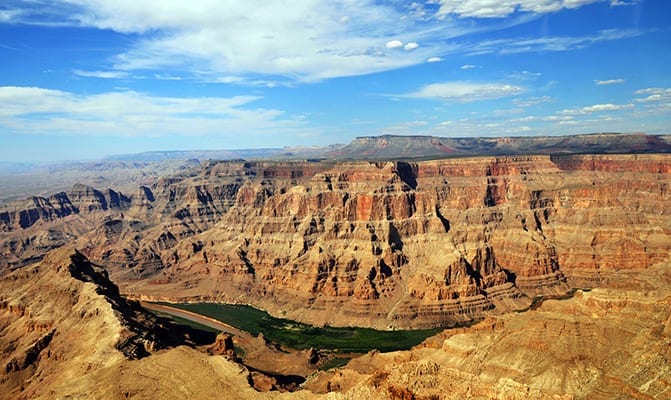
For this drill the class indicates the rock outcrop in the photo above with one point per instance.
(80, 199)
(64, 317)
(65, 333)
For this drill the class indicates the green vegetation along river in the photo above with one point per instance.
(302, 336)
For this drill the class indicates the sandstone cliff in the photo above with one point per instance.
(419, 244)
(65, 333)
(382, 244)
(602, 344)
(363, 243)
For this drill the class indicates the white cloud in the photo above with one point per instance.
(411, 46)
(127, 113)
(468, 66)
(310, 41)
(167, 77)
(609, 81)
(617, 3)
(9, 15)
(550, 43)
(394, 44)
(503, 8)
(523, 75)
(465, 91)
(434, 59)
(101, 74)
(546, 118)
(653, 94)
(532, 101)
(597, 108)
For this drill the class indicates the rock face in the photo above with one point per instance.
(419, 244)
(602, 344)
(64, 317)
(65, 332)
(380, 244)
(377, 244)
(80, 200)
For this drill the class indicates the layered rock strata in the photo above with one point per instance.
(66, 333)
(381, 244)
(601, 344)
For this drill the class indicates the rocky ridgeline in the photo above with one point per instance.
(400, 147)
(382, 244)
(63, 318)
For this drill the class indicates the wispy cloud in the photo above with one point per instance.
(532, 101)
(523, 75)
(655, 100)
(464, 92)
(468, 66)
(609, 81)
(101, 74)
(9, 15)
(653, 94)
(127, 113)
(597, 108)
(500, 9)
(550, 43)
(310, 41)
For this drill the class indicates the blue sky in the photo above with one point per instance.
(81, 79)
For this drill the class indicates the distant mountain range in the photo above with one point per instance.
(392, 147)
(401, 147)
(247, 154)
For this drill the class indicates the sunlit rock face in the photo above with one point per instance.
(381, 244)
(601, 344)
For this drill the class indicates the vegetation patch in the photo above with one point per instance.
(302, 336)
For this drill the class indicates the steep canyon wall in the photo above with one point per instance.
(381, 244)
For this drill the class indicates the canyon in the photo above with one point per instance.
(377, 244)
(469, 243)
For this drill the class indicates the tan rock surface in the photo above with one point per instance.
(65, 333)
(602, 344)
(382, 244)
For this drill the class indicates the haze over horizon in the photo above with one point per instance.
(87, 79)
